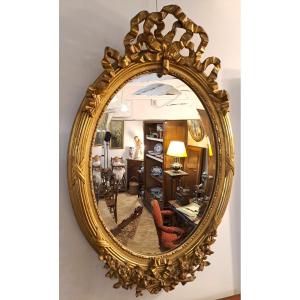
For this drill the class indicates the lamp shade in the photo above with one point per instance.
(177, 149)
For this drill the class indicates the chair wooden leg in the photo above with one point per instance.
(115, 215)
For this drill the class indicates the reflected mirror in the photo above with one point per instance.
(153, 164)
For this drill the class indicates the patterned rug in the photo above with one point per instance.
(126, 230)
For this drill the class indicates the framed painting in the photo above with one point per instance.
(117, 134)
(196, 133)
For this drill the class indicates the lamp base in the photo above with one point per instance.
(176, 166)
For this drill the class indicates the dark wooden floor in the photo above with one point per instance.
(235, 297)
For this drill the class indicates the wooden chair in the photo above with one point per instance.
(168, 236)
(111, 199)
(118, 166)
(107, 180)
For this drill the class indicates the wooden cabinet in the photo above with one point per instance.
(171, 130)
(133, 165)
(193, 166)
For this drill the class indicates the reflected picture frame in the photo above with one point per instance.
(117, 134)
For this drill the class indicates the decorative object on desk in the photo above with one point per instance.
(156, 171)
(176, 149)
(138, 150)
(199, 189)
(117, 134)
(158, 148)
(200, 193)
(183, 196)
(196, 130)
(197, 193)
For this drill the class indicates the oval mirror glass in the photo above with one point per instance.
(153, 164)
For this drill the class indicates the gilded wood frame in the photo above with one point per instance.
(148, 52)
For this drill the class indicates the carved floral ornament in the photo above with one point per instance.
(148, 52)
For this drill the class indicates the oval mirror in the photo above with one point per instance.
(150, 161)
(153, 164)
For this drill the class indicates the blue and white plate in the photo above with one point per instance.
(158, 148)
(156, 171)
(155, 189)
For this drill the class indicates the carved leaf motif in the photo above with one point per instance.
(220, 99)
(92, 98)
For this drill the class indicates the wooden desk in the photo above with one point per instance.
(173, 205)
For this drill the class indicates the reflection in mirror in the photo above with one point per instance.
(153, 164)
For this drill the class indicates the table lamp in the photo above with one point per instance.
(176, 149)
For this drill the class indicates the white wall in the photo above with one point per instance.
(86, 28)
(131, 129)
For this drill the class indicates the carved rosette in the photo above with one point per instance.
(165, 271)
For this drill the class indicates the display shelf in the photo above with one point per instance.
(158, 178)
(169, 130)
(154, 157)
(154, 139)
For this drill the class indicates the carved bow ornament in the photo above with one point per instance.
(152, 46)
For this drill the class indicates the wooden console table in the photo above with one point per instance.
(175, 178)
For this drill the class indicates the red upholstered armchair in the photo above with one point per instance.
(168, 236)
